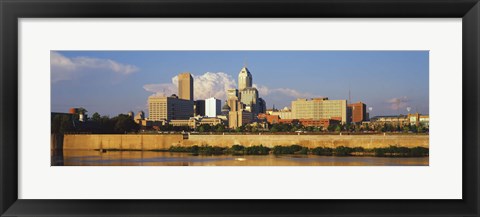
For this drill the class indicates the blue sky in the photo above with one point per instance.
(113, 82)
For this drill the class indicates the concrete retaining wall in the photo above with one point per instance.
(102, 141)
(311, 141)
(150, 142)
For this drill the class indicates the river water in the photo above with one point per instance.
(149, 158)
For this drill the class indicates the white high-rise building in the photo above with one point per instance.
(213, 107)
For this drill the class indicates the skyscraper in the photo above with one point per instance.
(249, 97)
(185, 86)
(243, 103)
(244, 79)
(237, 116)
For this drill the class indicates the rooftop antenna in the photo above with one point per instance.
(245, 62)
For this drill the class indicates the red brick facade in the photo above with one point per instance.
(358, 111)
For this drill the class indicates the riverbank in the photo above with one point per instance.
(239, 150)
(165, 142)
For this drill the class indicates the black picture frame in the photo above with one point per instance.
(12, 10)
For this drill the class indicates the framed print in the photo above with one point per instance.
(239, 108)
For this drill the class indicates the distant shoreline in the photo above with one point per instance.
(166, 141)
(340, 151)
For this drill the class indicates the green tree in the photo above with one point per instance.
(82, 110)
(201, 129)
(124, 124)
(96, 117)
(366, 127)
(239, 129)
(248, 128)
(62, 124)
(421, 128)
(413, 128)
(220, 128)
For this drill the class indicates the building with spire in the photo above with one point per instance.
(244, 103)
(244, 79)
(248, 95)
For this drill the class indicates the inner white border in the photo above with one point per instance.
(441, 180)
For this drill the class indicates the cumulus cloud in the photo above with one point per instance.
(166, 89)
(398, 102)
(212, 84)
(205, 86)
(65, 68)
(265, 91)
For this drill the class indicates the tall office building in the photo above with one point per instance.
(237, 115)
(244, 79)
(212, 107)
(247, 94)
(358, 112)
(243, 104)
(249, 97)
(185, 86)
(163, 108)
(320, 108)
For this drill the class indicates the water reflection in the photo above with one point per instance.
(149, 158)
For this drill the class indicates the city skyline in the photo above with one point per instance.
(113, 82)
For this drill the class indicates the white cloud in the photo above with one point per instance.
(161, 89)
(65, 68)
(212, 84)
(398, 102)
(205, 86)
(265, 91)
